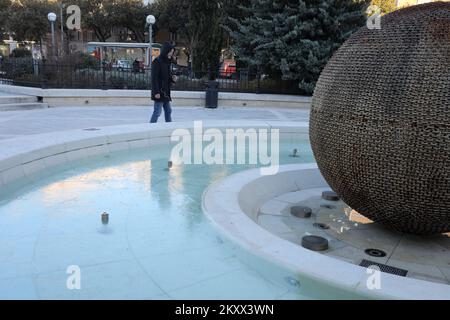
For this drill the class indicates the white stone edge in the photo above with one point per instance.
(97, 93)
(223, 204)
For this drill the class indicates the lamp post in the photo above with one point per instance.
(52, 18)
(150, 21)
(61, 6)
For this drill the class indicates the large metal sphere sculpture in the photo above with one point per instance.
(380, 120)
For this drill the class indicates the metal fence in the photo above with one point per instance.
(41, 74)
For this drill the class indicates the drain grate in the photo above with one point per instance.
(384, 268)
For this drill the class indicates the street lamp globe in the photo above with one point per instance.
(151, 19)
(51, 17)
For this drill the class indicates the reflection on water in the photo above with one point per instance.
(157, 243)
(75, 186)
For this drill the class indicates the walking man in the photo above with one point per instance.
(162, 79)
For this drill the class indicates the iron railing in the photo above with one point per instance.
(51, 74)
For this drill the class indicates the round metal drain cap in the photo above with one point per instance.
(330, 196)
(301, 212)
(375, 253)
(315, 243)
(322, 226)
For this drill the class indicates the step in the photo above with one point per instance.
(23, 106)
(17, 99)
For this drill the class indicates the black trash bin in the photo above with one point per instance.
(212, 94)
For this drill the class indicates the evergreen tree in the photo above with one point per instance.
(234, 10)
(212, 39)
(294, 39)
(199, 22)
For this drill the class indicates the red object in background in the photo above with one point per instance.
(96, 53)
(228, 69)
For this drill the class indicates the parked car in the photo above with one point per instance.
(228, 69)
(122, 65)
(179, 70)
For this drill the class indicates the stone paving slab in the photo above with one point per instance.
(20, 123)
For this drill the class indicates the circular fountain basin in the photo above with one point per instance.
(102, 207)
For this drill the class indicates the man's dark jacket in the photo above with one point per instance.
(162, 74)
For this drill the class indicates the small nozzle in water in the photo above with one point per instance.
(294, 153)
(105, 218)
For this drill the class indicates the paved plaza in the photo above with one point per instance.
(21, 123)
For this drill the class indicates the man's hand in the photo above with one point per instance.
(174, 78)
(157, 96)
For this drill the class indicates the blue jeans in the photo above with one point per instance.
(157, 111)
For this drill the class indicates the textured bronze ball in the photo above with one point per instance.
(380, 120)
